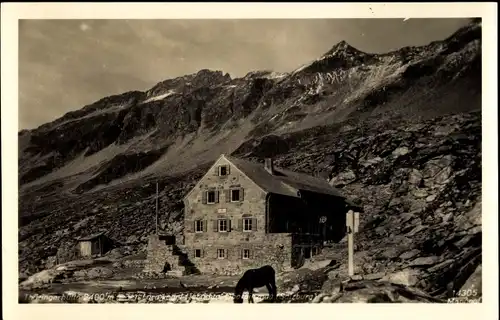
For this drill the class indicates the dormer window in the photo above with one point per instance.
(223, 171)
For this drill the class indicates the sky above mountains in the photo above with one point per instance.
(66, 64)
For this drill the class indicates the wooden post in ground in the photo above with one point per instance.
(351, 252)
(352, 223)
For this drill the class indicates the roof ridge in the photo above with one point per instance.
(287, 182)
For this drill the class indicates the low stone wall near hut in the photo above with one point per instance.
(273, 249)
(158, 254)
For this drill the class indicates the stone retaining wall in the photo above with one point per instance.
(273, 249)
(158, 254)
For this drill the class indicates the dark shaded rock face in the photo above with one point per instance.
(399, 133)
(120, 166)
(264, 147)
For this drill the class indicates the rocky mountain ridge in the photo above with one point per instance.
(399, 132)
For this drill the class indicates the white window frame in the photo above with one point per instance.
(220, 171)
(196, 226)
(250, 224)
(219, 253)
(221, 222)
(246, 251)
(195, 252)
(239, 195)
(215, 194)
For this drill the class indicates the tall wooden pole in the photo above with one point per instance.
(351, 251)
(351, 228)
(156, 207)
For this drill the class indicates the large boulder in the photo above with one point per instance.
(405, 277)
(303, 279)
(67, 271)
(43, 278)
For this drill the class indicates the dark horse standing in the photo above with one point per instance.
(256, 278)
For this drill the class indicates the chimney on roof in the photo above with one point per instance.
(268, 165)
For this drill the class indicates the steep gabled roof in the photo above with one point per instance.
(262, 178)
(91, 237)
(284, 181)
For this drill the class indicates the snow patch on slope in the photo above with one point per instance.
(160, 97)
(275, 75)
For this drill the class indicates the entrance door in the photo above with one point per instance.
(86, 248)
(298, 259)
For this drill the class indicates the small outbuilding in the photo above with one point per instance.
(94, 244)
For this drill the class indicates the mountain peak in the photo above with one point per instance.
(342, 48)
(342, 55)
(342, 45)
(209, 72)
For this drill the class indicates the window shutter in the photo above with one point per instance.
(215, 226)
(242, 197)
(228, 169)
(250, 253)
(241, 253)
(216, 196)
(194, 226)
(205, 222)
(240, 224)
(216, 170)
(254, 224)
(216, 253)
(204, 195)
(189, 226)
(226, 253)
(228, 225)
(227, 194)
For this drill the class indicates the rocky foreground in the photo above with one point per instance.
(357, 292)
(322, 285)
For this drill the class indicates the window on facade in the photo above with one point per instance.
(197, 253)
(235, 195)
(222, 224)
(247, 224)
(199, 226)
(246, 253)
(221, 253)
(210, 196)
(223, 171)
